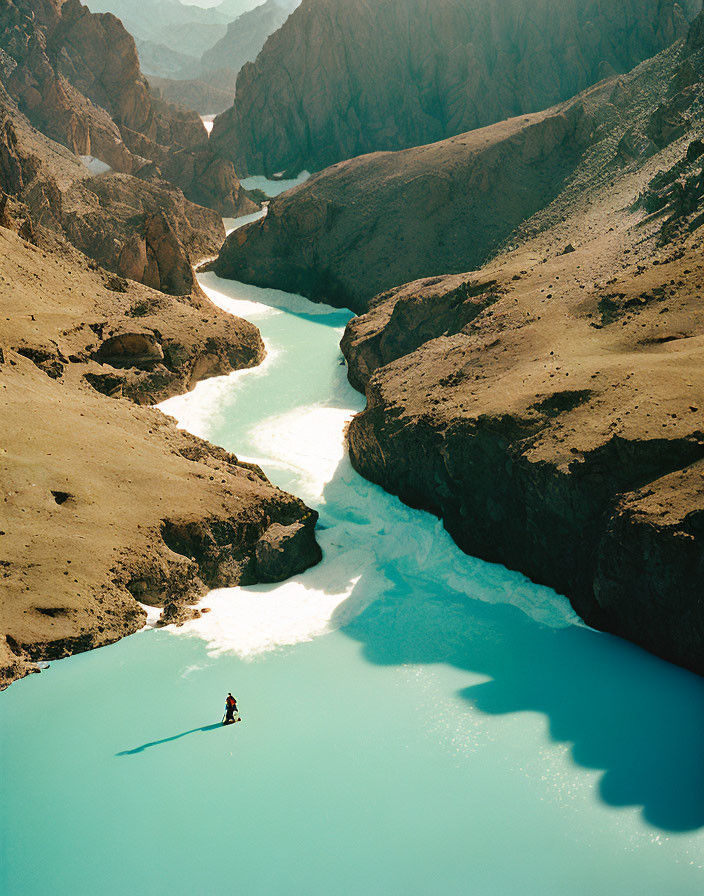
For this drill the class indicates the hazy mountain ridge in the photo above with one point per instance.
(208, 84)
(342, 79)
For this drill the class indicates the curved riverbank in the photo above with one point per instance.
(107, 505)
(398, 695)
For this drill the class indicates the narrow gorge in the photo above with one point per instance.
(371, 407)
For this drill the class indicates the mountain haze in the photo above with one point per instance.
(344, 78)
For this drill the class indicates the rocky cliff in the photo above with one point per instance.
(550, 405)
(76, 77)
(136, 227)
(369, 223)
(344, 78)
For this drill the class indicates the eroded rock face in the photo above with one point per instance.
(76, 77)
(370, 223)
(283, 551)
(141, 229)
(98, 57)
(342, 79)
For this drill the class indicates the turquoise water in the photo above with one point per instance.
(415, 721)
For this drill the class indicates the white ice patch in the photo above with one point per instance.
(369, 541)
(254, 302)
(260, 618)
(208, 122)
(153, 615)
(273, 188)
(95, 166)
(311, 440)
(235, 223)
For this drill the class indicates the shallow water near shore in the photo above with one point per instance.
(415, 721)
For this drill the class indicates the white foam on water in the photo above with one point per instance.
(369, 538)
(273, 187)
(197, 411)
(94, 165)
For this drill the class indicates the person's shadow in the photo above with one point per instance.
(166, 740)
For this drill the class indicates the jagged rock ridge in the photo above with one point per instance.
(344, 78)
(76, 77)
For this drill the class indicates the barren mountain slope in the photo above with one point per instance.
(550, 406)
(346, 77)
(106, 503)
(370, 223)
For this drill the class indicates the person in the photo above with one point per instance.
(230, 710)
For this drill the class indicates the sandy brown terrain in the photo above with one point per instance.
(104, 503)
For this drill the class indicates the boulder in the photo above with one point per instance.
(283, 551)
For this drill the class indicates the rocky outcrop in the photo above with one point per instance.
(550, 406)
(370, 223)
(405, 318)
(342, 79)
(141, 229)
(184, 516)
(677, 194)
(76, 77)
(98, 57)
(285, 550)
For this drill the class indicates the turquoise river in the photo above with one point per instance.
(415, 721)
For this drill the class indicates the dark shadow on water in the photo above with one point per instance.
(637, 718)
(166, 740)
